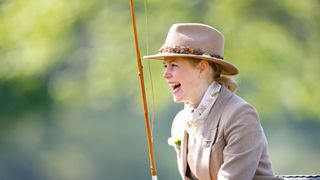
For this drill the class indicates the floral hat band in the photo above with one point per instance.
(187, 50)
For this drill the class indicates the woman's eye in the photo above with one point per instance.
(169, 65)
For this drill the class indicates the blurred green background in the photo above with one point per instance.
(70, 105)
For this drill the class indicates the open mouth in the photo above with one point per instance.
(175, 87)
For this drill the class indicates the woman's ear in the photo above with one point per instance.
(203, 66)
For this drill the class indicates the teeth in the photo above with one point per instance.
(174, 84)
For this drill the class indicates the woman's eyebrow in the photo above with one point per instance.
(168, 61)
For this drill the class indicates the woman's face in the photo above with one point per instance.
(184, 79)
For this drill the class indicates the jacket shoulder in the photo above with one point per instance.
(237, 106)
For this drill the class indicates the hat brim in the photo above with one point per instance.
(226, 67)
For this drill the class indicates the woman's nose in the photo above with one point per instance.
(166, 74)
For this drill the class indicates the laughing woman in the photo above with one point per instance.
(217, 135)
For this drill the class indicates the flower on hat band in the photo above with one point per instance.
(187, 50)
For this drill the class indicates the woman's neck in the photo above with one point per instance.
(195, 103)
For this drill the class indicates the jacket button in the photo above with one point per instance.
(206, 144)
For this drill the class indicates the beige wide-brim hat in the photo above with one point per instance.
(194, 40)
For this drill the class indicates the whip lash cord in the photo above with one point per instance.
(149, 67)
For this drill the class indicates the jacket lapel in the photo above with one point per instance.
(212, 122)
(184, 153)
(211, 129)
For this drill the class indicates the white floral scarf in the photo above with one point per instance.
(196, 117)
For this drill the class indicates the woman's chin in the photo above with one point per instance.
(177, 100)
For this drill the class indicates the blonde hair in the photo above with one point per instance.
(226, 81)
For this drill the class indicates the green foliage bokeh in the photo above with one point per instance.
(70, 100)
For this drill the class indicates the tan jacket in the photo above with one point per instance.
(232, 144)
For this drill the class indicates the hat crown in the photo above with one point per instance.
(199, 36)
